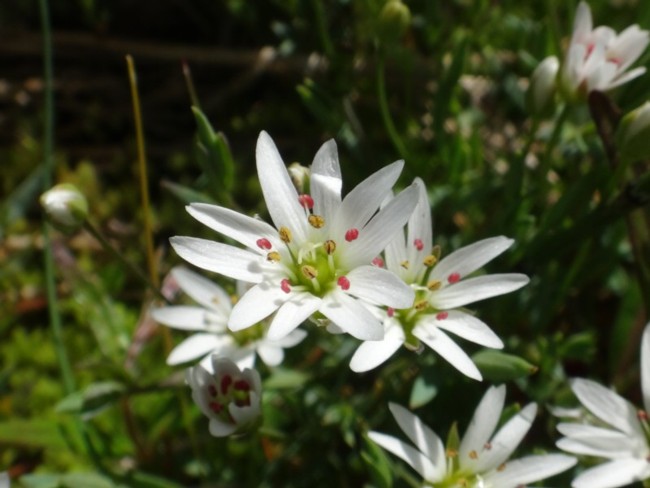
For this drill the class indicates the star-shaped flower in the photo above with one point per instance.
(481, 459)
(315, 262)
(614, 429)
(228, 395)
(210, 319)
(598, 59)
(442, 288)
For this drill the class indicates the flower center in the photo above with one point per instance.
(228, 390)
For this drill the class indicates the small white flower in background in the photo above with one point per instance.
(5, 481)
(316, 261)
(441, 289)
(543, 86)
(229, 396)
(614, 430)
(481, 459)
(210, 319)
(598, 59)
(65, 206)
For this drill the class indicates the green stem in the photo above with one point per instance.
(323, 31)
(134, 269)
(385, 112)
(552, 142)
(48, 163)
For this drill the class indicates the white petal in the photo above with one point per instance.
(270, 354)
(468, 259)
(242, 228)
(412, 456)
(380, 287)
(221, 429)
(202, 290)
(628, 76)
(375, 236)
(325, 181)
(612, 474)
(371, 354)
(608, 406)
(530, 469)
(440, 342)
(418, 229)
(351, 316)
(279, 193)
(294, 338)
(582, 24)
(257, 303)
(220, 258)
(506, 439)
(645, 367)
(422, 436)
(589, 440)
(362, 202)
(196, 346)
(182, 317)
(484, 421)
(293, 313)
(475, 289)
(470, 328)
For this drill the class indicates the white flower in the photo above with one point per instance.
(481, 460)
(316, 260)
(598, 59)
(65, 205)
(615, 430)
(5, 481)
(210, 321)
(229, 396)
(441, 288)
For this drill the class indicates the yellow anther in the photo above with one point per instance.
(452, 453)
(501, 467)
(404, 264)
(273, 256)
(434, 285)
(309, 272)
(420, 305)
(285, 234)
(473, 454)
(429, 260)
(330, 246)
(316, 221)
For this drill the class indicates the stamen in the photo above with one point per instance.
(285, 234)
(473, 454)
(242, 385)
(316, 221)
(216, 407)
(420, 305)
(273, 256)
(642, 415)
(330, 247)
(264, 243)
(343, 282)
(390, 311)
(285, 285)
(501, 467)
(309, 272)
(351, 234)
(306, 201)
(212, 390)
(451, 453)
(434, 285)
(429, 260)
(487, 446)
(404, 264)
(442, 315)
(226, 381)
(453, 278)
(378, 262)
(419, 245)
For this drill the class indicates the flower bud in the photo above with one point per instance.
(633, 134)
(299, 176)
(65, 206)
(543, 84)
(394, 19)
(228, 396)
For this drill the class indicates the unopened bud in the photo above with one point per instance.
(543, 85)
(299, 176)
(65, 206)
(394, 19)
(633, 134)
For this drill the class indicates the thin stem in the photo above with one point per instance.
(383, 106)
(323, 31)
(134, 269)
(142, 168)
(189, 81)
(552, 142)
(48, 162)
